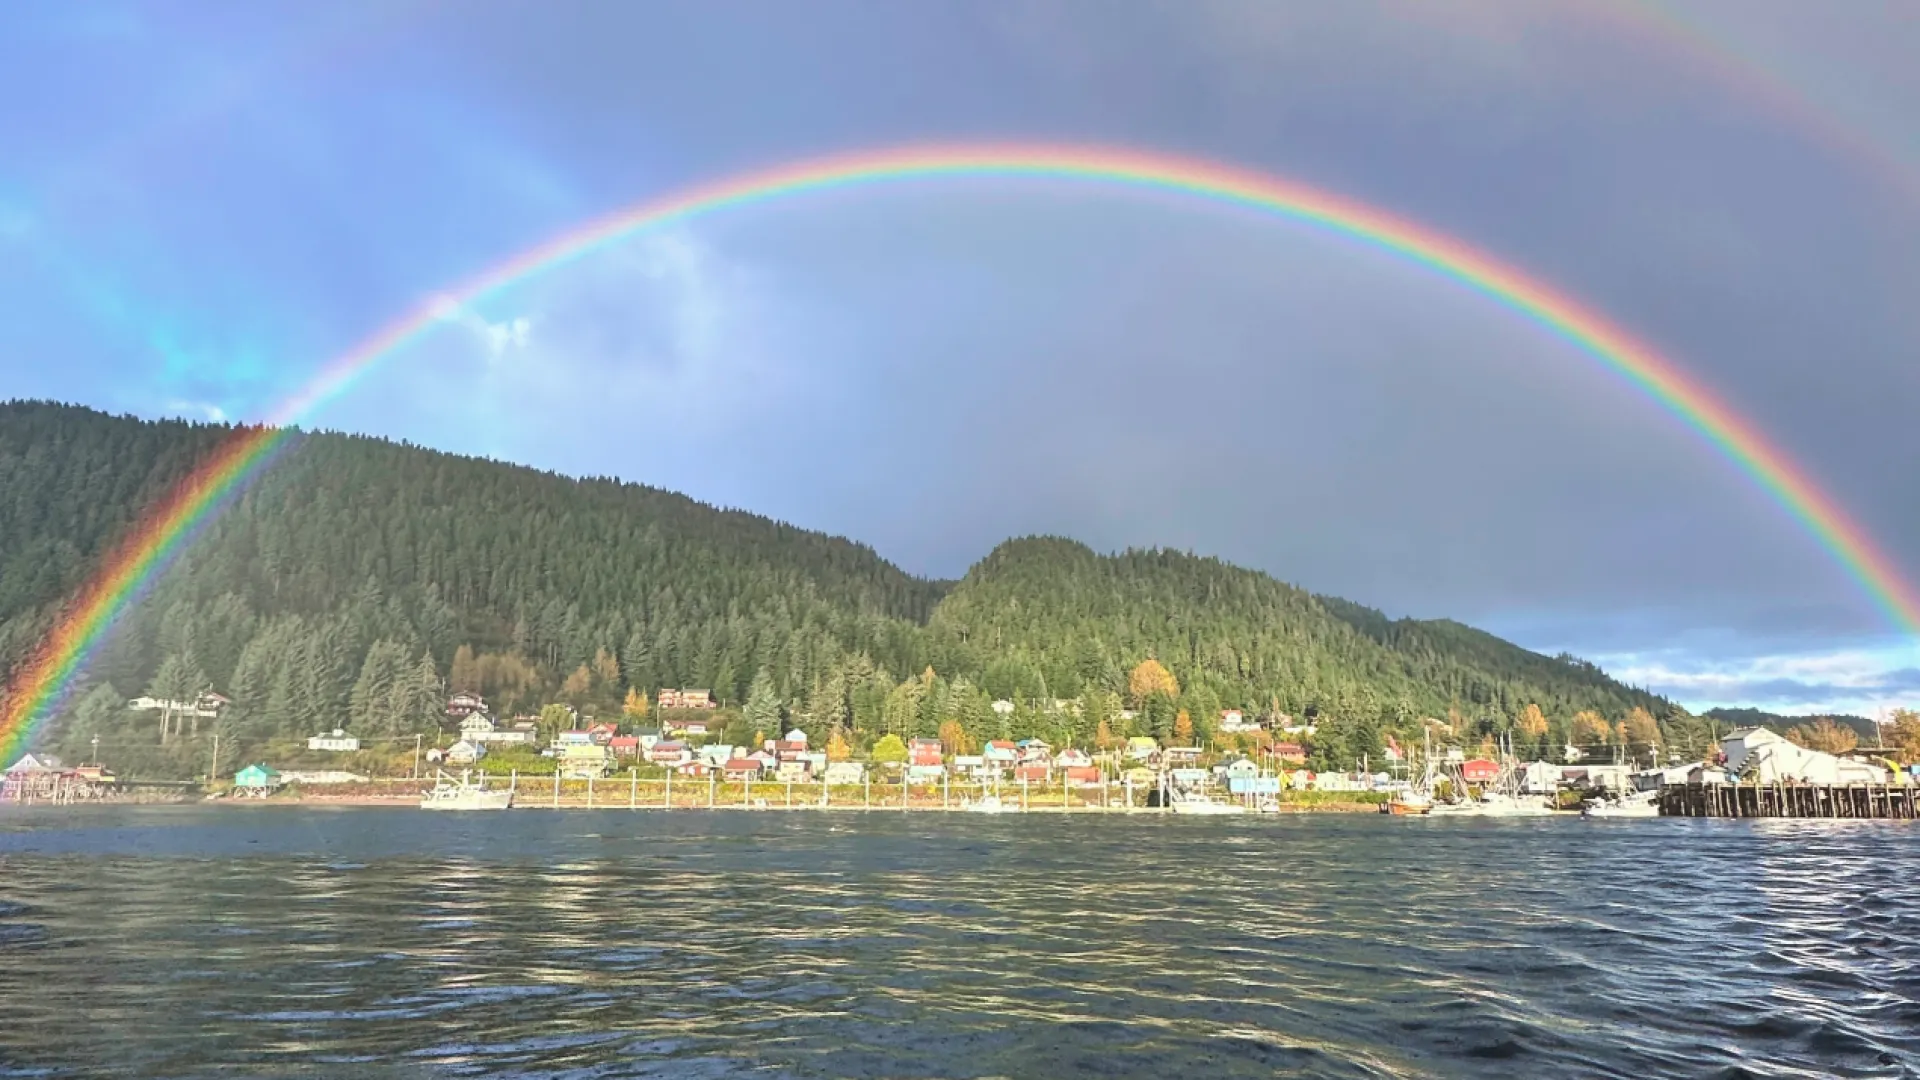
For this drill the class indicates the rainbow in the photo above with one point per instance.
(1668, 26)
(51, 675)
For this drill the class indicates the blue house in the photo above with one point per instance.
(257, 777)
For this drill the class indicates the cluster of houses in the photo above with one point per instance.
(596, 749)
(44, 777)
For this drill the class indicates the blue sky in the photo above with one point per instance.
(202, 203)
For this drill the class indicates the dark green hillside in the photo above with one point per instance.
(360, 579)
(1051, 615)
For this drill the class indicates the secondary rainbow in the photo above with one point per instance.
(51, 676)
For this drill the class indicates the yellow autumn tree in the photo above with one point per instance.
(1532, 722)
(1103, 735)
(1640, 729)
(1183, 729)
(890, 750)
(1824, 735)
(577, 686)
(954, 739)
(1903, 734)
(1590, 727)
(464, 676)
(837, 748)
(1150, 677)
(605, 668)
(636, 706)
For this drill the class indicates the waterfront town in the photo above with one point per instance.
(562, 758)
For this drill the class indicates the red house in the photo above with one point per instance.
(1083, 774)
(1032, 774)
(1479, 771)
(924, 752)
(602, 734)
(791, 748)
(624, 745)
(669, 753)
(741, 768)
(1290, 752)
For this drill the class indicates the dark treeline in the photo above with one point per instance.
(359, 580)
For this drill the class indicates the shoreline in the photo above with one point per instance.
(413, 802)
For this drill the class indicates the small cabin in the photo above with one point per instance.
(257, 778)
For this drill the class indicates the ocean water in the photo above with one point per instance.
(190, 941)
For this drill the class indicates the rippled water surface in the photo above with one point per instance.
(359, 942)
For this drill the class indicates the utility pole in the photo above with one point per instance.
(96, 750)
(213, 767)
(416, 755)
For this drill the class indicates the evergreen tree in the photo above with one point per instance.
(762, 712)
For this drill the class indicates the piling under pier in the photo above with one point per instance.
(1789, 800)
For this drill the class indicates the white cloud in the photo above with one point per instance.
(616, 363)
(498, 337)
(204, 409)
(1858, 680)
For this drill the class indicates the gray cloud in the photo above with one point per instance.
(931, 368)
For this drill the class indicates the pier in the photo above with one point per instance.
(1789, 800)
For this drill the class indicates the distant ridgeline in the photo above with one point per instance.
(359, 580)
(1863, 729)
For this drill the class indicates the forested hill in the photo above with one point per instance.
(358, 579)
(1049, 612)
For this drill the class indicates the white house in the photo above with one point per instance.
(1003, 707)
(206, 706)
(1034, 751)
(1233, 722)
(1766, 756)
(520, 733)
(1072, 758)
(35, 763)
(476, 728)
(465, 753)
(1540, 778)
(334, 742)
(846, 772)
(1327, 781)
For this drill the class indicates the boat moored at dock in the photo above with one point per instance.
(451, 793)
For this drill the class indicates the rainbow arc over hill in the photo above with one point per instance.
(51, 676)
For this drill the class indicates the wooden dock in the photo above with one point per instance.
(1783, 800)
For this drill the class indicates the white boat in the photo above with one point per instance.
(1640, 804)
(463, 794)
(1493, 804)
(989, 805)
(1501, 804)
(1190, 803)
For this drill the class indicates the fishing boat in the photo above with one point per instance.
(1416, 799)
(1640, 804)
(461, 793)
(1407, 803)
(1186, 802)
